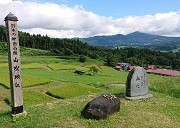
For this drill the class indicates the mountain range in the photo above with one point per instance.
(135, 39)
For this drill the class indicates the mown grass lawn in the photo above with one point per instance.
(56, 76)
(158, 112)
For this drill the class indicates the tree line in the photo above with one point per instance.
(74, 47)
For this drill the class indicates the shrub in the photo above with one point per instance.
(94, 69)
(82, 58)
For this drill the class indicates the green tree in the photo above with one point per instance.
(2, 33)
(111, 60)
(176, 64)
(94, 70)
(93, 55)
(134, 61)
(82, 58)
(68, 52)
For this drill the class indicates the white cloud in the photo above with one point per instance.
(57, 20)
(2, 2)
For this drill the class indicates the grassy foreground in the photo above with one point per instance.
(54, 96)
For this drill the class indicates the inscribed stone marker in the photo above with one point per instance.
(14, 64)
(137, 84)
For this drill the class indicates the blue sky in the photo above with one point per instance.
(87, 18)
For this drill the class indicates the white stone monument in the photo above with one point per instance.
(14, 64)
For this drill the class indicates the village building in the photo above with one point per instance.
(164, 72)
(122, 66)
(152, 67)
(129, 68)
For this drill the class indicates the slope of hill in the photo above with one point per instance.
(75, 49)
(135, 39)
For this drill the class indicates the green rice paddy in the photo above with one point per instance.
(54, 96)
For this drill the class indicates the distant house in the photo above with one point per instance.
(129, 68)
(164, 72)
(124, 66)
(121, 66)
(152, 67)
(118, 67)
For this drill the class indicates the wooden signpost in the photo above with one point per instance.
(14, 64)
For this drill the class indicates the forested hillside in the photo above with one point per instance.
(75, 48)
(135, 39)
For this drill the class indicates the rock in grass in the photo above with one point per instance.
(79, 72)
(101, 107)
